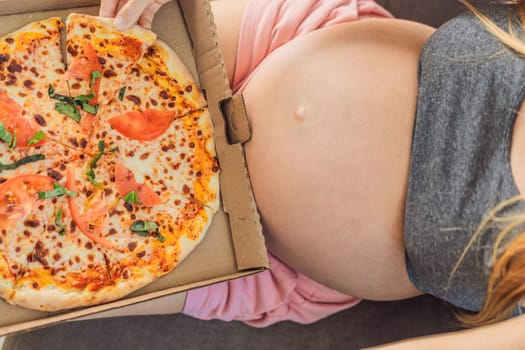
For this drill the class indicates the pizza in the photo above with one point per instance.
(108, 171)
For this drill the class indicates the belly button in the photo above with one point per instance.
(300, 114)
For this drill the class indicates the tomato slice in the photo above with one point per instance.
(86, 123)
(19, 196)
(24, 127)
(92, 221)
(125, 181)
(143, 126)
(83, 66)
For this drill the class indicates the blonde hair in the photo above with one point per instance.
(506, 286)
(507, 38)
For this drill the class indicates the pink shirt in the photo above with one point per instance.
(268, 24)
(279, 294)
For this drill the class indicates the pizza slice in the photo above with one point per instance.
(30, 214)
(159, 82)
(65, 269)
(31, 66)
(48, 263)
(32, 186)
(21, 218)
(100, 57)
(178, 155)
(150, 178)
(157, 241)
(144, 226)
(30, 59)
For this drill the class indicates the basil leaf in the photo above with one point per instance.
(58, 97)
(80, 99)
(7, 137)
(102, 149)
(65, 106)
(39, 136)
(84, 99)
(58, 222)
(4, 134)
(121, 93)
(57, 191)
(68, 109)
(13, 144)
(145, 228)
(94, 161)
(101, 146)
(58, 217)
(91, 177)
(132, 197)
(94, 75)
(83, 102)
(22, 161)
(89, 108)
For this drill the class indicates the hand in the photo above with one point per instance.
(129, 12)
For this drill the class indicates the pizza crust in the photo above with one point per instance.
(6, 279)
(52, 298)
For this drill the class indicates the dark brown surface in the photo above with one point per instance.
(364, 325)
(433, 13)
(367, 324)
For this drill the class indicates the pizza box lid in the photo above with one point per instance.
(234, 245)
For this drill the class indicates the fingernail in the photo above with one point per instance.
(120, 23)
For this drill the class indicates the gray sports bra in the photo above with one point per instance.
(470, 88)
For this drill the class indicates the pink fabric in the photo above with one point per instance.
(268, 24)
(279, 294)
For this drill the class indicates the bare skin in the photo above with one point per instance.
(336, 211)
(349, 137)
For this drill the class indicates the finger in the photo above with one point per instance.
(107, 8)
(120, 5)
(130, 13)
(147, 17)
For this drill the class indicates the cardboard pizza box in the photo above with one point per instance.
(234, 245)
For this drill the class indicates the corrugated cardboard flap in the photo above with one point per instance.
(237, 124)
(250, 253)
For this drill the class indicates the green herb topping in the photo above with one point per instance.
(91, 172)
(7, 137)
(145, 228)
(37, 137)
(68, 105)
(121, 93)
(132, 197)
(68, 109)
(58, 222)
(94, 75)
(61, 98)
(57, 191)
(22, 161)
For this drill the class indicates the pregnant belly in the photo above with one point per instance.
(332, 116)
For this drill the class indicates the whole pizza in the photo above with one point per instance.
(108, 173)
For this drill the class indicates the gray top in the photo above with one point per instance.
(470, 88)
